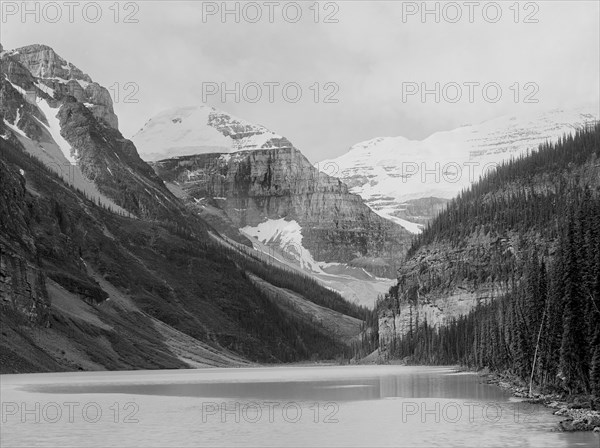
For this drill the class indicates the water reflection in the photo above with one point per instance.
(412, 384)
(337, 406)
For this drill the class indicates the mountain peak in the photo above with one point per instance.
(201, 129)
(389, 172)
(38, 67)
(378, 143)
(43, 62)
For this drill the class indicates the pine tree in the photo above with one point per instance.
(573, 351)
(595, 370)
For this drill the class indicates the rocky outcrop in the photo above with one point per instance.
(102, 163)
(22, 284)
(23, 289)
(14, 106)
(420, 211)
(43, 62)
(442, 282)
(61, 78)
(252, 186)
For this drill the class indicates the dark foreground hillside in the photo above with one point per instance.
(83, 287)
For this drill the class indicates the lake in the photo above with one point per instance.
(273, 406)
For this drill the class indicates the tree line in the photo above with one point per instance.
(546, 329)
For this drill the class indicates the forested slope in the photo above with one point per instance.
(540, 218)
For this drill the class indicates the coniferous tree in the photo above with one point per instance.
(573, 351)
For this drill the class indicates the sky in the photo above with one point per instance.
(352, 70)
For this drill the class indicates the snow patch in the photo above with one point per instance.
(56, 155)
(54, 130)
(44, 88)
(179, 132)
(387, 214)
(288, 236)
(19, 89)
(14, 126)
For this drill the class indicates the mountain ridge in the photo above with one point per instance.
(103, 267)
(475, 251)
(393, 173)
(250, 175)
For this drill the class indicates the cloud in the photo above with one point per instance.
(369, 54)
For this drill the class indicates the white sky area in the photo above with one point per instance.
(369, 53)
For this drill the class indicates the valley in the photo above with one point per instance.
(209, 241)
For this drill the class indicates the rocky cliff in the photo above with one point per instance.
(442, 282)
(57, 76)
(258, 176)
(23, 289)
(255, 186)
(64, 119)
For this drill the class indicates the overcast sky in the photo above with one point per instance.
(171, 53)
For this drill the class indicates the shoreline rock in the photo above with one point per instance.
(578, 416)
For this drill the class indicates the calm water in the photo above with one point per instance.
(275, 406)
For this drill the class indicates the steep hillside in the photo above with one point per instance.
(476, 249)
(531, 229)
(410, 181)
(102, 267)
(73, 131)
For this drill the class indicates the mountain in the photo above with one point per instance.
(410, 181)
(244, 178)
(508, 276)
(194, 130)
(103, 267)
(480, 248)
(74, 132)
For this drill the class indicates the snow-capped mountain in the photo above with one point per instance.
(409, 181)
(103, 267)
(183, 131)
(247, 180)
(63, 118)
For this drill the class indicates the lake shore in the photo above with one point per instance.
(579, 416)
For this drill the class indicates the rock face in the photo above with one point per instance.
(436, 284)
(261, 176)
(410, 181)
(22, 285)
(23, 289)
(64, 119)
(443, 281)
(55, 75)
